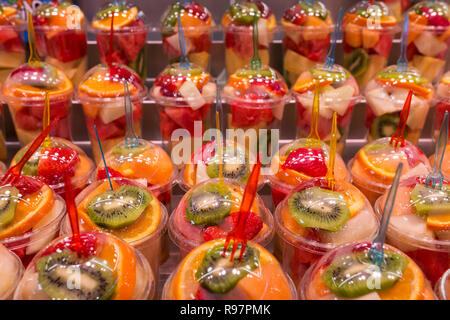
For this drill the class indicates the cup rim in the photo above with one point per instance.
(86, 99)
(45, 28)
(38, 98)
(151, 283)
(256, 104)
(123, 30)
(176, 101)
(18, 277)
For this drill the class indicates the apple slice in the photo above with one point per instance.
(174, 42)
(263, 34)
(112, 111)
(381, 102)
(429, 45)
(338, 99)
(192, 95)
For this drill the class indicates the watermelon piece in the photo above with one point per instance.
(384, 45)
(67, 45)
(131, 43)
(26, 121)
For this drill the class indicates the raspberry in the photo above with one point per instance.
(253, 225)
(308, 161)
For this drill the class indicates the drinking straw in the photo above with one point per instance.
(184, 62)
(330, 173)
(436, 174)
(103, 157)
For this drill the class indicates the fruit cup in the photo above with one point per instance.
(198, 26)
(128, 36)
(184, 96)
(304, 232)
(204, 274)
(110, 270)
(60, 31)
(429, 37)
(237, 24)
(12, 51)
(210, 210)
(348, 273)
(24, 91)
(420, 221)
(51, 162)
(306, 40)
(338, 92)
(373, 167)
(442, 102)
(30, 218)
(133, 213)
(297, 162)
(11, 272)
(101, 94)
(442, 288)
(369, 30)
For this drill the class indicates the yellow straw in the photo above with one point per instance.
(32, 42)
(46, 120)
(313, 138)
(219, 148)
(333, 142)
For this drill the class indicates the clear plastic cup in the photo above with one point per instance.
(237, 24)
(145, 233)
(442, 103)
(397, 7)
(101, 94)
(11, 271)
(347, 273)
(373, 167)
(307, 35)
(442, 288)
(188, 229)
(304, 163)
(386, 94)
(300, 242)
(445, 167)
(129, 36)
(50, 163)
(3, 149)
(198, 26)
(338, 92)
(60, 31)
(36, 220)
(262, 278)
(369, 30)
(184, 97)
(429, 37)
(24, 92)
(125, 273)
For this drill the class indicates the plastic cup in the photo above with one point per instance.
(407, 283)
(397, 7)
(442, 288)
(429, 37)
(11, 272)
(31, 288)
(442, 103)
(101, 94)
(187, 234)
(267, 282)
(298, 247)
(283, 180)
(24, 91)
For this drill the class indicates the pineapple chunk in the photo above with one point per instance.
(192, 95)
(11, 59)
(296, 63)
(175, 43)
(428, 66)
(199, 58)
(429, 45)
(338, 99)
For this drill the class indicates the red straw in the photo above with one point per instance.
(111, 36)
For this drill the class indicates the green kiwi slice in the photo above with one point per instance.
(244, 12)
(356, 62)
(31, 167)
(428, 201)
(124, 150)
(236, 165)
(8, 204)
(385, 126)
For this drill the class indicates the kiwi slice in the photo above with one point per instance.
(123, 150)
(119, 208)
(218, 274)
(58, 274)
(31, 167)
(356, 62)
(428, 201)
(248, 73)
(8, 204)
(208, 204)
(105, 13)
(172, 71)
(236, 166)
(385, 126)
(354, 275)
(244, 12)
(319, 208)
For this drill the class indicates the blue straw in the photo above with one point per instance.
(131, 139)
(309, 2)
(329, 63)
(103, 157)
(436, 175)
(402, 63)
(184, 62)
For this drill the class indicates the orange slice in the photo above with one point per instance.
(386, 173)
(31, 91)
(236, 195)
(302, 87)
(317, 289)
(29, 211)
(385, 21)
(98, 86)
(7, 12)
(352, 195)
(417, 89)
(238, 82)
(291, 224)
(121, 20)
(446, 80)
(439, 221)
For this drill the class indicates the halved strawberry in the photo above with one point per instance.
(213, 232)
(101, 174)
(55, 163)
(253, 225)
(27, 185)
(308, 161)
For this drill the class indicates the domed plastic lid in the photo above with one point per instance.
(32, 82)
(10, 17)
(102, 83)
(429, 14)
(443, 87)
(11, 270)
(108, 269)
(244, 13)
(443, 286)
(348, 273)
(192, 14)
(300, 14)
(192, 86)
(365, 14)
(207, 275)
(58, 14)
(126, 16)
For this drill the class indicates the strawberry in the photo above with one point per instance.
(27, 185)
(433, 263)
(197, 11)
(213, 232)
(88, 245)
(253, 225)
(131, 43)
(167, 126)
(308, 161)
(101, 174)
(295, 14)
(206, 152)
(55, 163)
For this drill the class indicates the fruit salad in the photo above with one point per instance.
(11, 271)
(348, 273)
(129, 35)
(205, 274)
(237, 23)
(386, 94)
(24, 91)
(442, 288)
(101, 94)
(147, 163)
(211, 209)
(297, 162)
(30, 217)
(197, 25)
(53, 160)
(442, 103)
(429, 37)
(420, 222)
(306, 40)
(338, 92)
(373, 167)
(109, 270)
(184, 95)
(60, 31)
(12, 51)
(369, 29)
(313, 220)
(130, 211)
